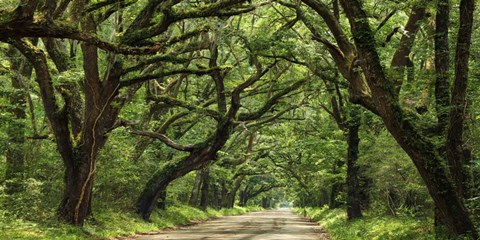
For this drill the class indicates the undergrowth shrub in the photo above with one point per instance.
(372, 227)
(27, 203)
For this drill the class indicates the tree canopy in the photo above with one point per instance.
(132, 106)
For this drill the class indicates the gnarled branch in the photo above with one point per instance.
(272, 101)
(144, 78)
(176, 102)
(166, 140)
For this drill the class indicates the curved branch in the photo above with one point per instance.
(95, 6)
(166, 140)
(20, 29)
(341, 38)
(235, 101)
(170, 16)
(269, 104)
(176, 102)
(17, 29)
(144, 78)
(271, 118)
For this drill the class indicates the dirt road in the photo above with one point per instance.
(265, 225)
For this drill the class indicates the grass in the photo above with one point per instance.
(109, 224)
(370, 227)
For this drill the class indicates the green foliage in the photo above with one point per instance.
(21, 229)
(376, 227)
(27, 203)
(393, 175)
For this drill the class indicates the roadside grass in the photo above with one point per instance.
(369, 227)
(109, 224)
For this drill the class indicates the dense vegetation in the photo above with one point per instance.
(117, 115)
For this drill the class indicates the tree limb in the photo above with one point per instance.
(166, 140)
(271, 118)
(272, 101)
(144, 78)
(176, 102)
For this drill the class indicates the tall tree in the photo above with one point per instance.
(91, 104)
(353, 186)
(424, 153)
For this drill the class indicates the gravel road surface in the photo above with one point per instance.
(264, 225)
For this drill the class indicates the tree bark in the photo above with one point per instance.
(171, 171)
(76, 204)
(353, 187)
(442, 84)
(401, 59)
(243, 197)
(216, 199)
(455, 145)
(442, 65)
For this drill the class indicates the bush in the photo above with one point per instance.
(370, 227)
(26, 204)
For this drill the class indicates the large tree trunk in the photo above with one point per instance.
(79, 155)
(442, 190)
(455, 146)
(79, 176)
(157, 184)
(353, 187)
(265, 202)
(76, 204)
(215, 200)
(442, 84)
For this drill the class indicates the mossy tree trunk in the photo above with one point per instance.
(353, 187)
(146, 203)
(423, 152)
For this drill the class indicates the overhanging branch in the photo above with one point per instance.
(269, 104)
(166, 140)
(176, 102)
(144, 78)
